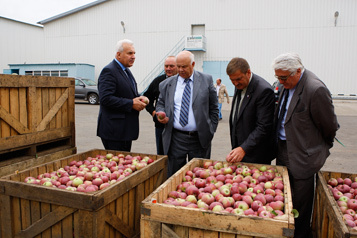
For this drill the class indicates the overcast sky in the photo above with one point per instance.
(33, 11)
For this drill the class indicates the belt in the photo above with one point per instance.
(190, 133)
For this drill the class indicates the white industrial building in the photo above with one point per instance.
(323, 32)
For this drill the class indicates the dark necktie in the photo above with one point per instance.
(131, 78)
(282, 112)
(185, 103)
(236, 106)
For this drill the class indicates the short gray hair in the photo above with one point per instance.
(119, 46)
(288, 62)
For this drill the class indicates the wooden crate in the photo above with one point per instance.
(28, 210)
(327, 217)
(36, 116)
(161, 220)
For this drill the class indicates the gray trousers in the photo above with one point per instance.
(183, 148)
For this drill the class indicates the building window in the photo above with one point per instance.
(64, 73)
(46, 73)
(56, 73)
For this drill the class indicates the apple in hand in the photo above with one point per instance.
(144, 100)
(161, 115)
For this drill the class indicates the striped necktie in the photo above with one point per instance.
(185, 103)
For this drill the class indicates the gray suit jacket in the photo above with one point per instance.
(310, 126)
(204, 105)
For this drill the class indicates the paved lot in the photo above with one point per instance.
(343, 159)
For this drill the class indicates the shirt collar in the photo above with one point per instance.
(120, 64)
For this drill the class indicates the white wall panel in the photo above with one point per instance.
(257, 30)
(19, 43)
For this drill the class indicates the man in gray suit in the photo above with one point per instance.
(189, 100)
(306, 126)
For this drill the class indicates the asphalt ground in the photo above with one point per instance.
(342, 158)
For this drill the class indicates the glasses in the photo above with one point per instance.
(283, 78)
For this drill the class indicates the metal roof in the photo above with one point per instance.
(71, 11)
(20, 21)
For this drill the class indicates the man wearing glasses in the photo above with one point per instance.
(306, 125)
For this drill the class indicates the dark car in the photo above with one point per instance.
(86, 89)
(277, 87)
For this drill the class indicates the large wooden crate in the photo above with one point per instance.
(36, 117)
(161, 220)
(327, 217)
(37, 211)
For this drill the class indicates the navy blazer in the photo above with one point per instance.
(117, 120)
(253, 128)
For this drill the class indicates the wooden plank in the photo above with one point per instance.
(23, 107)
(6, 213)
(50, 195)
(45, 110)
(47, 221)
(150, 229)
(16, 126)
(52, 101)
(51, 112)
(59, 112)
(118, 224)
(64, 109)
(8, 81)
(14, 107)
(5, 104)
(32, 107)
(35, 138)
(168, 232)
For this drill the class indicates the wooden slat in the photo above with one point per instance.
(6, 213)
(50, 113)
(16, 126)
(14, 108)
(10, 81)
(52, 101)
(34, 138)
(118, 224)
(47, 221)
(5, 104)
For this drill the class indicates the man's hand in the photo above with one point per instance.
(162, 118)
(236, 155)
(138, 104)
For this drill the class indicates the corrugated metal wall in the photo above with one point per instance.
(256, 30)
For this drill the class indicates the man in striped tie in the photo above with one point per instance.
(189, 100)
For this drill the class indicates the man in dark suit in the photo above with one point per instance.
(189, 100)
(306, 126)
(251, 118)
(153, 95)
(120, 103)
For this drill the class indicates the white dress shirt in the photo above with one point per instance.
(180, 87)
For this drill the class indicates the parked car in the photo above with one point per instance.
(277, 87)
(86, 89)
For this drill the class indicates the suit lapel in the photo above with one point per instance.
(296, 97)
(248, 95)
(171, 95)
(196, 85)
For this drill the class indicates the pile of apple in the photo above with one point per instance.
(345, 193)
(240, 189)
(93, 173)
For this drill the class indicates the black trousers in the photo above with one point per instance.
(303, 191)
(183, 148)
(117, 145)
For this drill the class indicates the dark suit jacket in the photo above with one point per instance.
(310, 126)
(204, 105)
(117, 119)
(152, 93)
(253, 129)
